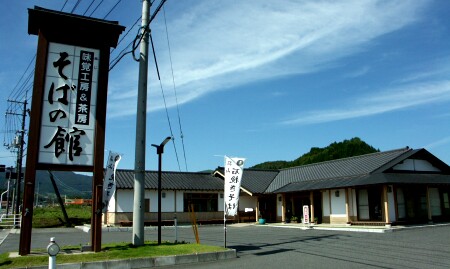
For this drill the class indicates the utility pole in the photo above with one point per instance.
(19, 145)
(141, 126)
(141, 123)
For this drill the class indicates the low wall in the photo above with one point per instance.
(126, 218)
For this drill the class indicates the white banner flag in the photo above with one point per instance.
(234, 168)
(109, 184)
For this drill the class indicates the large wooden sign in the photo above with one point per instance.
(68, 115)
(68, 112)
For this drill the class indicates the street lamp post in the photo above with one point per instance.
(160, 151)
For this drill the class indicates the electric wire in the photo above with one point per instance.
(67, 187)
(175, 90)
(126, 34)
(122, 53)
(92, 2)
(90, 15)
(25, 83)
(75, 6)
(165, 103)
(112, 9)
(64, 5)
(26, 70)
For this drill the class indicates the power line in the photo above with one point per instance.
(175, 90)
(165, 103)
(64, 5)
(92, 2)
(75, 7)
(90, 15)
(26, 70)
(122, 53)
(112, 9)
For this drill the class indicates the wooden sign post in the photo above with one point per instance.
(68, 112)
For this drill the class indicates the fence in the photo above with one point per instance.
(9, 221)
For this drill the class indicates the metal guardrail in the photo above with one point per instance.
(10, 220)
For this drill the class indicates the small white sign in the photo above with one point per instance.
(68, 109)
(109, 184)
(306, 214)
(234, 168)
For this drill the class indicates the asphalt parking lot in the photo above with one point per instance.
(263, 246)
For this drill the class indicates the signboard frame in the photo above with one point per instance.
(74, 30)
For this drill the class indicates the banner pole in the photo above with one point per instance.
(224, 225)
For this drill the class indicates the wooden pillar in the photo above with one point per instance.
(430, 217)
(283, 208)
(347, 207)
(386, 204)
(311, 200)
(256, 211)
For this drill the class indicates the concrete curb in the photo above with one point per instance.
(141, 263)
(356, 228)
(87, 228)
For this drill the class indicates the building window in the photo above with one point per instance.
(147, 205)
(203, 202)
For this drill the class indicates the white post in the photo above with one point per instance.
(51, 262)
(175, 222)
(52, 250)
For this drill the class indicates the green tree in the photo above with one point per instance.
(336, 150)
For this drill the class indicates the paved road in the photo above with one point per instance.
(270, 247)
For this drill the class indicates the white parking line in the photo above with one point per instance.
(3, 234)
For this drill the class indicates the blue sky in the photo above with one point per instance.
(266, 80)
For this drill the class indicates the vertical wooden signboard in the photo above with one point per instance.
(68, 113)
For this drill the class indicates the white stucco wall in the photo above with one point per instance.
(279, 205)
(338, 203)
(352, 202)
(247, 202)
(124, 201)
(220, 201)
(326, 203)
(179, 201)
(173, 200)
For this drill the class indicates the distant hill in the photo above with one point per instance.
(336, 150)
(69, 183)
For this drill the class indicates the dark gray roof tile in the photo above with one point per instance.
(341, 168)
(171, 180)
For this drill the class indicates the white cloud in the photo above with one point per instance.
(222, 44)
(358, 72)
(439, 143)
(381, 102)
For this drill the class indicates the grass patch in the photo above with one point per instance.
(116, 251)
(47, 217)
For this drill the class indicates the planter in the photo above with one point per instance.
(262, 221)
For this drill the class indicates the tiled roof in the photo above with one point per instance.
(363, 180)
(171, 180)
(375, 168)
(255, 181)
(341, 168)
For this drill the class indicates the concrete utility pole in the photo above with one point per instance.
(19, 145)
(141, 118)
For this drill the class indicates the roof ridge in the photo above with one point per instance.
(405, 149)
(171, 172)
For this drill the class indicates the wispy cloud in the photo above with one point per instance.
(440, 142)
(358, 72)
(217, 45)
(381, 102)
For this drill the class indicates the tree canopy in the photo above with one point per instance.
(336, 150)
